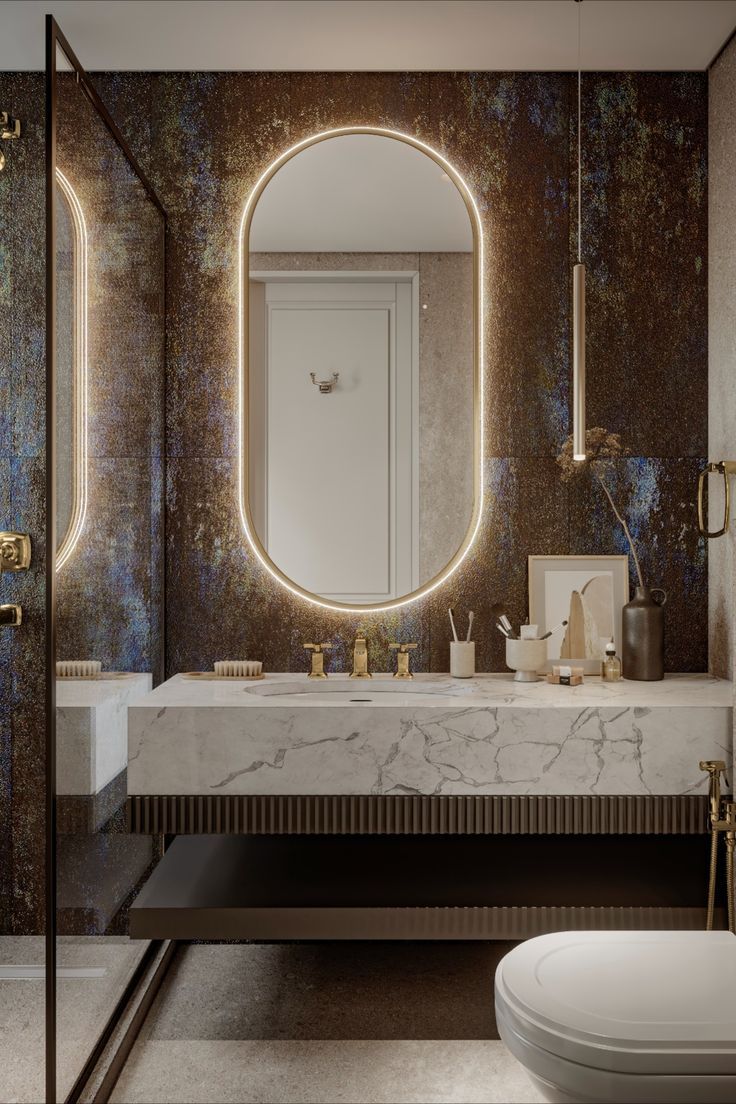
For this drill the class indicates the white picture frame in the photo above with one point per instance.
(587, 591)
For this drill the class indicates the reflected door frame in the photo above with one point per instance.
(404, 411)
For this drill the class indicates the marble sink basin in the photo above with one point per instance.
(379, 690)
(434, 735)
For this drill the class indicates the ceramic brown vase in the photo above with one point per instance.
(642, 636)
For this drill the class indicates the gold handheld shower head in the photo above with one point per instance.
(714, 767)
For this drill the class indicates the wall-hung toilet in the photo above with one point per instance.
(630, 1017)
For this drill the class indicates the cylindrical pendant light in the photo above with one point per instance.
(578, 362)
(578, 300)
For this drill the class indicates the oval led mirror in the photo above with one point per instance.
(360, 353)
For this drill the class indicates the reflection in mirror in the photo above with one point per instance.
(361, 369)
(71, 369)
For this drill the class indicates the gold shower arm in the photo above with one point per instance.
(725, 468)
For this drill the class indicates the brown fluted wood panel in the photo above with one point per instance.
(368, 814)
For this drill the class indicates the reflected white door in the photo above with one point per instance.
(339, 474)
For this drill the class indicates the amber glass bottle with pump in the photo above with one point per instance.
(610, 664)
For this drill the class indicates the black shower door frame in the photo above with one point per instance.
(55, 40)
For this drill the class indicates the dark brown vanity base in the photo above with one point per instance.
(338, 887)
(371, 814)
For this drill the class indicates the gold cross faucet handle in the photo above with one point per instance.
(402, 659)
(318, 659)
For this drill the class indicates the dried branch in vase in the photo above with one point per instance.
(600, 446)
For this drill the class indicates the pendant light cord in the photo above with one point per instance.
(580, 140)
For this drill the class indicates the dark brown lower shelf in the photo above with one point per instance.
(327, 887)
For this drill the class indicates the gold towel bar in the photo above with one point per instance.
(725, 468)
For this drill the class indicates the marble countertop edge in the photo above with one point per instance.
(487, 691)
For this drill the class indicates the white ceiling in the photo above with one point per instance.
(371, 34)
(360, 193)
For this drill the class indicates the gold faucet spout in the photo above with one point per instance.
(360, 659)
(318, 659)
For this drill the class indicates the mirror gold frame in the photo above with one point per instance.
(79, 373)
(243, 344)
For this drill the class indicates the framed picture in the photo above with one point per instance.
(589, 593)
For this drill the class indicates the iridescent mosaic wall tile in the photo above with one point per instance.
(107, 591)
(23, 507)
(645, 240)
(510, 135)
(204, 139)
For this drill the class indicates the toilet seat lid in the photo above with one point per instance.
(640, 1001)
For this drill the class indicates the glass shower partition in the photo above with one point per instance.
(106, 358)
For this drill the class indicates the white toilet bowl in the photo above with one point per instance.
(631, 1017)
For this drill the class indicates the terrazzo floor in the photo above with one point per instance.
(362, 1023)
(83, 1007)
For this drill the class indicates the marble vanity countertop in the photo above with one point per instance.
(89, 693)
(91, 730)
(436, 735)
(497, 690)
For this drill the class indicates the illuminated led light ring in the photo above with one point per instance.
(478, 310)
(79, 346)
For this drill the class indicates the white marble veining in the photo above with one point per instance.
(91, 730)
(432, 736)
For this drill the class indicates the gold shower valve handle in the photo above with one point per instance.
(318, 659)
(15, 552)
(402, 660)
(9, 127)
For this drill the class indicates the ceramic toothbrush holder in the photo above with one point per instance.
(526, 657)
(462, 658)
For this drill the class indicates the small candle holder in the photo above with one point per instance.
(526, 657)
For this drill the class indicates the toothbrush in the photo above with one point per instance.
(452, 622)
(470, 626)
(547, 635)
(503, 631)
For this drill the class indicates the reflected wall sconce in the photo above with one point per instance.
(325, 385)
(578, 297)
